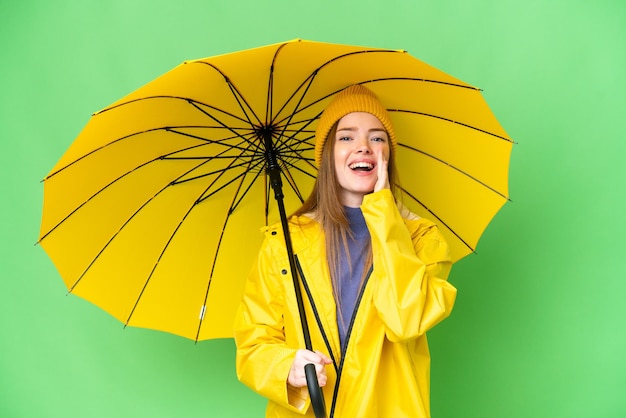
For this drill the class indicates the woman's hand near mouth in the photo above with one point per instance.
(383, 180)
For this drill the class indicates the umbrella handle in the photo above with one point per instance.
(315, 392)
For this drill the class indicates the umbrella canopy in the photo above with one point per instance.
(154, 211)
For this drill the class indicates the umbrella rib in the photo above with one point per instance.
(288, 122)
(291, 115)
(236, 94)
(156, 264)
(314, 102)
(162, 128)
(132, 216)
(197, 105)
(269, 103)
(221, 171)
(207, 140)
(293, 147)
(441, 221)
(112, 182)
(465, 125)
(71, 288)
(163, 250)
(234, 203)
(211, 142)
(314, 73)
(290, 146)
(198, 201)
(289, 153)
(291, 181)
(466, 174)
(164, 96)
(231, 181)
(88, 154)
(194, 104)
(166, 156)
(303, 171)
(230, 166)
(162, 157)
(425, 80)
(260, 162)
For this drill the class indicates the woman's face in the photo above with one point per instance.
(359, 142)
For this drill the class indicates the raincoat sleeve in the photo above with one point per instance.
(411, 266)
(263, 357)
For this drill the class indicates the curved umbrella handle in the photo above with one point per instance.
(315, 392)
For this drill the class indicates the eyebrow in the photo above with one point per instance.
(354, 128)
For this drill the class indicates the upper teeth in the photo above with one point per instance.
(361, 165)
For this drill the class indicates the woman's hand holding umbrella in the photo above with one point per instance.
(297, 376)
(309, 369)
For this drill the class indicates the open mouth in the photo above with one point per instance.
(361, 166)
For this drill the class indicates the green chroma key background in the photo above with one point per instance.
(539, 326)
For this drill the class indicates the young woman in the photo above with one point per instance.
(374, 281)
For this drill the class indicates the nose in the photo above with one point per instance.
(363, 146)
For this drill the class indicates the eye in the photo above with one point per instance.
(344, 138)
(379, 139)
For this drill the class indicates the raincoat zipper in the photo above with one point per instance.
(343, 350)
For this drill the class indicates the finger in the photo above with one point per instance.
(324, 358)
(316, 357)
(321, 375)
(320, 369)
(311, 357)
(382, 181)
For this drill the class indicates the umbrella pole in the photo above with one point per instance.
(273, 171)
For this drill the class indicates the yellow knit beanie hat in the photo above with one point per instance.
(355, 98)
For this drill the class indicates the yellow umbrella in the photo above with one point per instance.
(154, 211)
